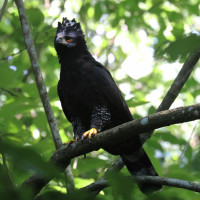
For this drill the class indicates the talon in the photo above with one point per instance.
(90, 133)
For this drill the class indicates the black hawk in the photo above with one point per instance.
(92, 101)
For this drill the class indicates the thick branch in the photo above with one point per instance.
(122, 133)
(128, 131)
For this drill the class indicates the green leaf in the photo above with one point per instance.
(90, 165)
(35, 16)
(182, 47)
(98, 11)
(26, 159)
(121, 185)
(134, 103)
(8, 76)
(168, 137)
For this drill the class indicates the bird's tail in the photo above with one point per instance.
(139, 164)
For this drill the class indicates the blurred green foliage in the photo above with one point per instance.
(114, 30)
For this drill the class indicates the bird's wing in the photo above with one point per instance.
(62, 100)
(108, 90)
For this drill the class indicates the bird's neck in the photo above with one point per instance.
(66, 54)
(73, 58)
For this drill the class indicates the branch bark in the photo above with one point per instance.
(180, 80)
(170, 182)
(120, 134)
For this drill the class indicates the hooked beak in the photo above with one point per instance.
(60, 39)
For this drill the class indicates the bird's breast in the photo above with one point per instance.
(78, 89)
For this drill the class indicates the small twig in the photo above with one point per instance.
(3, 9)
(9, 92)
(187, 144)
(14, 54)
(109, 48)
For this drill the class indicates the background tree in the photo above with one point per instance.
(144, 44)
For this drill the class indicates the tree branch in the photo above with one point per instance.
(187, 144)
(102, 183)
(28, 39)
(14, 54)
(120, 134)
(176, 87)
(127, 131)
(180, 80)
(37, 72)
(170, 182)
(8, 92)
(3, 9)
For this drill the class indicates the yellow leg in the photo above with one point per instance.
(90, 133)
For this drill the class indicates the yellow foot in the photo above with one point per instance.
(90, 133)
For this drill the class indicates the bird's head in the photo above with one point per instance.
(69, 34)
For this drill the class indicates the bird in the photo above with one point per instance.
(92, 102)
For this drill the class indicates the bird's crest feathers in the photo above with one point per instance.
(68, 26)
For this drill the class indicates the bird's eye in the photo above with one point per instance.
(68, 39)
